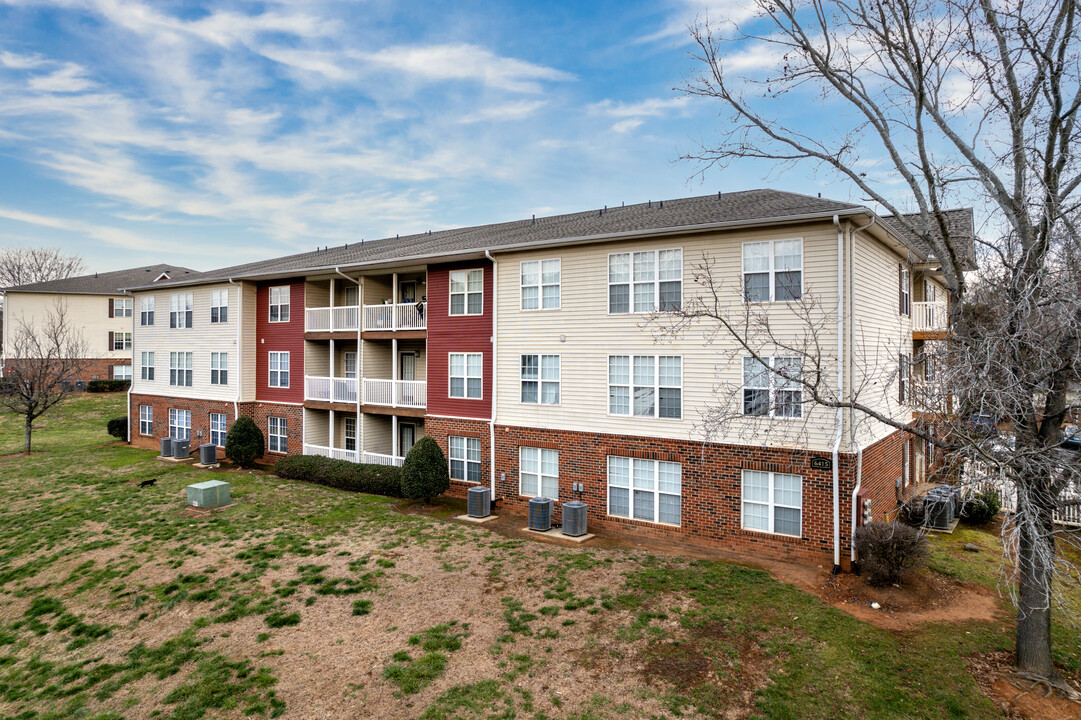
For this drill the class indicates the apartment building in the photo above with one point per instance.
(525, 350)
(95, 305)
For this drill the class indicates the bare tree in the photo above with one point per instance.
(44, 362)
(937, 103)
(23, 265)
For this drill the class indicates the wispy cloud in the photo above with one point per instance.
(504, 112)
(467, 62)
(684, 13)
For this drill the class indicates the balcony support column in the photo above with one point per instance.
(394, 372)
(394, 302)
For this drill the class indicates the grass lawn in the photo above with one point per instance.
(303, 601)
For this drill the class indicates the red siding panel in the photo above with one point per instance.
(457, 333)
(280, 337)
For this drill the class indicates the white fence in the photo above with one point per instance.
(328, 389)
(400, 316)
(326, 319)
(396, 393)
(982, 474)
(929, 316)
(335, 453)
(380, 459)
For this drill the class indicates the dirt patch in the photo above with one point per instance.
(1017, 698)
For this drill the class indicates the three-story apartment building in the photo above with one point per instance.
(529, 351)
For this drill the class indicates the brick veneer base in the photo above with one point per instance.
(200, 421)
(440, 428)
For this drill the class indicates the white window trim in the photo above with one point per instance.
(284, 424)
(224, 430)
(146, 420)
(906, 292)
(773, 389)
(772, 271)
(130, 374)
(540, 285)
(346, 436)
(146, 311)
(771, 505)
(540, 474)
(182, 366)
(271, 304)
(123, 307)
(223, 367)
(466, 377)
(466, 462)
(176, 413)
(223, 297)
(656, 281)
(288, 369)
(144, 366)
(124, 339)
(631, 488)
(656, 388)
(185, 308)
(540, 381)
(466, 294)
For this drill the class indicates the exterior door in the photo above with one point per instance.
(407, 292)
(407, 436)
(408, 365)
(352, 295)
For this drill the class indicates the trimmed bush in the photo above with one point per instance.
(118, 427)
(102, 386)
(982, 507)
(244, 443)
(341, 474)
(888, 550)
(425, 473)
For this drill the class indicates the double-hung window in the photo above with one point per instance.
(146, 366)
(904, 290)
(466, 375)
(121, 341)
(180, 310)
(773, 502)
(180, 424)
(278, 365)
(540, 379)
(466, 292)
(122, 307)
(180, 369)
(645, 385)
(279, 304)
(904, 377)
(773, 270)
(540, 284)
(146, 419)
(464, 458)
(219, 306)
(219, 368)
(644, 489)
(146, 310)
(121, 372)
(217, 429)
(772, 390)
(350, 433)
(277, 435)
(644, 282)
(539, 473)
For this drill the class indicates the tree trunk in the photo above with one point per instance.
(1033, 650)
(26, 437)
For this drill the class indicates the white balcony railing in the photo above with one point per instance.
(929, 316)
(396, 393)
(380, 459)
(328, 389)
(335, 453)
(326, 319)
(402, 316)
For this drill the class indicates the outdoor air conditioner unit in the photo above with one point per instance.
(181, 448)
(540, 514)
(574, 518)
(166, 447)
(208, 454)
(479, 502)
(938, 508)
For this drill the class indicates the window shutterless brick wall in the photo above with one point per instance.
(440, 428)
(99, 368)
(200, 421)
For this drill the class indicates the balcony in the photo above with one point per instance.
(332, 319)
(380, 459)
(353, 456)
(330, 389)
(930, 317)
(396, 393)
(394, 317)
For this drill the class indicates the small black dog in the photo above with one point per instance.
(148, 483)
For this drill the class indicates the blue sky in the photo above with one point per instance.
(208, 134)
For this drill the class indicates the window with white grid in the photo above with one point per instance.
(146, 365)
(464, 458)
(773, 270)
(467, 292)
(540, 379)
(772, 390)
(648, 490)
(180, 369)
(180, 424)
(122, 307)
(645, 385)
(180, 310)
(540, 284)
(121, 372)
(217, 429)
(278, 364)
(773, 502)
(466, 375)
(219, 368)
(644, 282)
(279, 304)
(121, 341)
(219, 306)
(539, 472)
(146, 310)
(146, 420)
(277, 436)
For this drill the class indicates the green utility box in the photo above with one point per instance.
(209, 494)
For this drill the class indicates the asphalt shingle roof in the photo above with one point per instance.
(107, 283)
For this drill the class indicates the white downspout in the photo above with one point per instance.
(239, 347)
(840, 396)
(131, 383)
(495, 336)
(859, 463)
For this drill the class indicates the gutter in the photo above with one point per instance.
(239, 348)
(495, 346)
(859, 467)
(131, 383)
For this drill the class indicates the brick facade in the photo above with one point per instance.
(200, 421)
(440, 428)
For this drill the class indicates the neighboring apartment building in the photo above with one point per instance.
(95, 305)
(522, 348)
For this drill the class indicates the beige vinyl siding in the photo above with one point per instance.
(316, 359)
(377, 433)
(584, 335)
(201, 340)
(317, 294)
(89, 314)
(376, 289)
(879, 335)
(317, 427)
(341, 347)
(377, 359)
(247, 339)
(422, 358)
